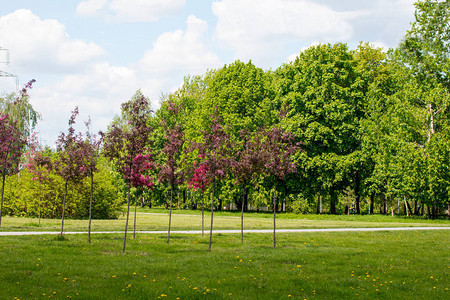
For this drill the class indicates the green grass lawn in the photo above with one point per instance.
(352, 265)
(157, 219)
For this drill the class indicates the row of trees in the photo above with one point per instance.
(336, 127)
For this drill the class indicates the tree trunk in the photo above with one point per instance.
(3, 192)
(372, 201)
(63, 208)
(126, 224)
(357, 194)
(392, 207)
(333, 201)
(135, 210)
(212, 215)
(431, 130)
(242, 217)
(170, 212)
(203, 215)
(274, 214)
(39, 205)
(319, 205)
(90, 206)
(407, 208)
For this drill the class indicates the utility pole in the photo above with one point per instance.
(4, 60)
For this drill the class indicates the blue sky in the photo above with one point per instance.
(95, 54)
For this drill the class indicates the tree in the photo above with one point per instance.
(39, 164)
(123, 144)
(215, 154)
(247, 167)
(425, 54)
(71, 161)
(325, 103)
(12, 144)
(170, 170)
(91, 153)
(199, 181)
(277, 148)
(140, 179)
(19, 109)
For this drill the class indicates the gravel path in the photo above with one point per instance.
(19, 233)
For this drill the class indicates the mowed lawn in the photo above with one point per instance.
(157, 219)
(349, 265)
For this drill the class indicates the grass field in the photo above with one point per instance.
(350, 265)
(157, 219)
(386, 265)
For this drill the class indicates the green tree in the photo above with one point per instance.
(323, 101)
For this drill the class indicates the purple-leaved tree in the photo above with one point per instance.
(199, 181)
(70, 163)
(215, 154)
(123, 144)
(140, 178)
(277, 148)
(170, 170)
(12, 144)
(247, 166)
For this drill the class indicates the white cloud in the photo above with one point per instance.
(98, 93)
(90, 7)
(181, 52)
(130, 10)
(251, 27)
(43, 45)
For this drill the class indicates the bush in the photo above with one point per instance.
(22, 195)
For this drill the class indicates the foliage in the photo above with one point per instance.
(21, 194)
(20, 110)
(125, 146)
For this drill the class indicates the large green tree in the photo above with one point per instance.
(323, 101)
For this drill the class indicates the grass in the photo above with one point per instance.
(157, 219)
(352, 265)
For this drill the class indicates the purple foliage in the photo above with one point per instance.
(174, 138)
(71, 164)
(123, 145)
(12, 144)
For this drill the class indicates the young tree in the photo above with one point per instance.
(39, 164)
(170, 171)
(247, 167)
(140, 178)
(70, 164)
(91, 153)
(123, 144)
(215, 154)
(199, 181)
(12, 144)
(277, 149)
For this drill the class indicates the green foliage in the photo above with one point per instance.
(299, 204)
(21, 195)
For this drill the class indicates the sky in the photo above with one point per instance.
(95, 54)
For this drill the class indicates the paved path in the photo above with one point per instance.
(19, 233)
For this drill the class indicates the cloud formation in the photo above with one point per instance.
(249, 26)
(129, 10)
(180, 52)
(44, 45)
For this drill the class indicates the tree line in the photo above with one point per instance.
(336, 130)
